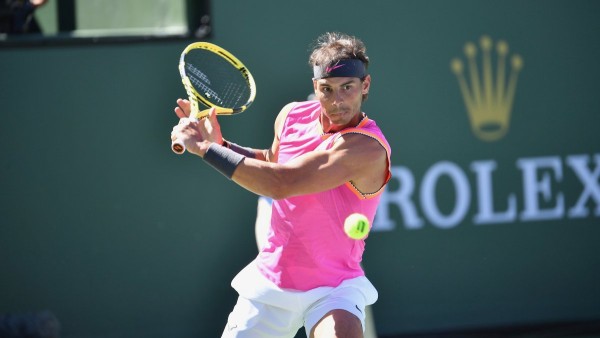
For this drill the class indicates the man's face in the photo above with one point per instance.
(341, 99)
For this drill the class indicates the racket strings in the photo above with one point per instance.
(202, 84)
(239, 94)
(219, 82)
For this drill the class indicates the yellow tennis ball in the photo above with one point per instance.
(356, 226)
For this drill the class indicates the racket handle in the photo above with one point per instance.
(177, 146)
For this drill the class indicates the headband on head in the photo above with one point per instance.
(342, 68)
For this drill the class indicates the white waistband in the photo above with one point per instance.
(251, 284)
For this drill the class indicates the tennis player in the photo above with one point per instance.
(327, 161)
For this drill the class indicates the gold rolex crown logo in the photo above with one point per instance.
(489, 97)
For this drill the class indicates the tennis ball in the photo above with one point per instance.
(356, 226)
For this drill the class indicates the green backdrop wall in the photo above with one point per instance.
(101, 224)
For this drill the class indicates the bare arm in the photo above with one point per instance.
(354, 157)
(213, 130)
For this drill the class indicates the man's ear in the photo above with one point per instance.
(366, 83)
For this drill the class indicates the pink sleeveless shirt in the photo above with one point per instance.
(307, 246)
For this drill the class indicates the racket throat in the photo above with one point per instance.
(194, 110)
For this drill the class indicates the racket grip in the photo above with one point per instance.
(178, 147)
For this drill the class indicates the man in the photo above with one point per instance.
(327, 161)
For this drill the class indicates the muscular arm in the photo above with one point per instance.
(353, 157)
(210, 130)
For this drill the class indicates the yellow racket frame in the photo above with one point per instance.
(195, 97)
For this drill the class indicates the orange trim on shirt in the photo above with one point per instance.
(358, 130)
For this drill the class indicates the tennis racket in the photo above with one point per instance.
(215, 78)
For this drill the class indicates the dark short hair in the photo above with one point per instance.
(333, 46)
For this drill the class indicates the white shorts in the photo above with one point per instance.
(265, 311)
